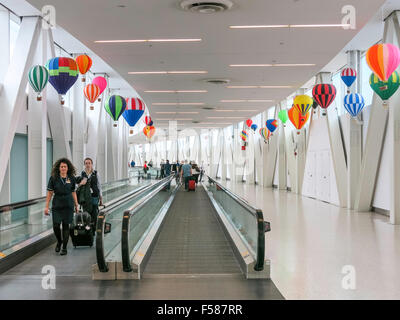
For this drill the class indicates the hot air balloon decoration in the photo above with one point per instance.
(265, 133)
(303, 104)
(271, 125)
(283, 116)
(248, 123)
(148, 121)
(91, 91)
(149, 131)
(348, 76)
(254, 127)
(297, 119)
(84, 63)
(135, 108)
(354, 103)
(243, 135)
(315, 106)
(102, 83)
(115, 107)
(38, 77)
(324, 94)
(63, 74)
(385, 89)
(383, 59)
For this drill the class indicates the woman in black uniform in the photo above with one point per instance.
(62, 185)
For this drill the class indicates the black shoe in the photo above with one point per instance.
(63, 252)
(58, 247)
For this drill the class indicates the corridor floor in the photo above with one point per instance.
(313, 247)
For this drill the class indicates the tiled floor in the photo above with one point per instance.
(312, 241)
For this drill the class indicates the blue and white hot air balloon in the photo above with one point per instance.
(135, 108)
(354, 103)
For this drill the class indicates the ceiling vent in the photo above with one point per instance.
(208, 108)
(217, 81)
(212, 6)
(195, 121)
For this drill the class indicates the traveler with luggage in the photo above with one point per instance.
(132, 164)
(89, 191)
(186, 173)
(62, 185)
(162, 169)
(196, 172)
(145, 168)
(167, 169)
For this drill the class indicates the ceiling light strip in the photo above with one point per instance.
(274, 26)
(147, 40)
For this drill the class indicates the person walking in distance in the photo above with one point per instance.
(186, 173)
(62, 186)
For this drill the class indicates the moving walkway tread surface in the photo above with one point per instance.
(192, 241)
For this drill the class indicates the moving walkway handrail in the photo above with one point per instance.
(258, 215)
(128, 214)
(29, 202)
(101, 221)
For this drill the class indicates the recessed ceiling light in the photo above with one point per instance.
(273, 26)
(176, 91)
(148, 40)
(259, 87)
(275, 65)
(261, 100)
(178, 103)
(166, 72)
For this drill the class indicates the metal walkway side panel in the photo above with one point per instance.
(191, 241)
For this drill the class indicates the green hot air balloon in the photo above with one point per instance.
(38, 77)
(283, 116)
(115, 107)
(385, 89)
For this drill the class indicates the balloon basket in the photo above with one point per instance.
(99, 99)
(298, 132)
(62, 102)
(38, 98)
(130, 131)
(115, 125)
(91, 108)
(83, 79)
(385, 105)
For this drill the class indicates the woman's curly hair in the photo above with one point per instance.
(55, 171)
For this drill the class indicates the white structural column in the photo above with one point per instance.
(354, 137)
(264, 152)
(79, 124)
(336, 145)
(300, 141)
(291, 158)
(250, 169)
(224, 146)
(57, 113)
(13, 92)
(394, 127)
(270, 163)
(124, 142)
(373, 141)
(4, 63)
(37, 131)
(282, 173)
(100, 159)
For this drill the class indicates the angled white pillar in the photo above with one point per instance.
(282, 166)
(4, 63)
(336, 145)
(224, 146)
(300, 140)
(271, 156)
(57, 113)
(250, 170)
(13, 91)
(354, 137)
(37, 131)
(79, 124)
(373, 145)
(291, 158)
(394, 128)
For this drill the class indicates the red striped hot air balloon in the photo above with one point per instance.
(324, 94)
(84, 63)
(91, 91)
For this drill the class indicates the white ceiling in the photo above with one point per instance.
(92, 20)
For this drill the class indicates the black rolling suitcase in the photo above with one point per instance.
(81, 231)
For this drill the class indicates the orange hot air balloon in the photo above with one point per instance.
(297, 118)
(149, 131)
(92, 91)
(383, 59)
(84, 63)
